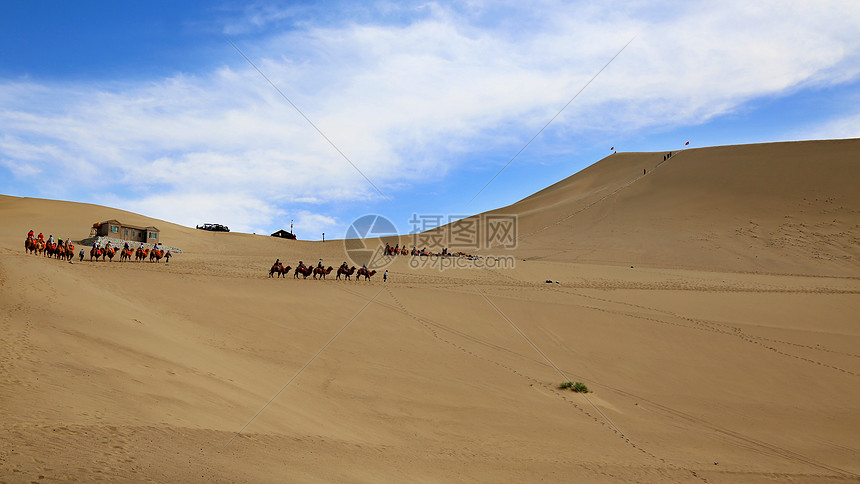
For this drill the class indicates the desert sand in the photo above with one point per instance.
(710, 305)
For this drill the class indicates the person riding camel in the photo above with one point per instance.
(68, 241)
(30, 235)
(278, 262)
(344, 266)
(51, 239)
(319, 264)
(301, 266)
(125, 247)
(41, 237)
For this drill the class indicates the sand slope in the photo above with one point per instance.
(779, 207)
(139, 371)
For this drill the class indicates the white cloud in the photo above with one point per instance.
(311, 226)
(240, 211)
(20, 168)
(840, 128)
(406, 100)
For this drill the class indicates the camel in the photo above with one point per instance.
(303, 270)
(109, 252)
(364, 272)
(94, 252)
(280, 270)
(156, 255)
(50, 249)
(31, 246)
(322, 272)
(140, 254)
(62, 252)
(125, 254)
(70, 252)
(346, 272)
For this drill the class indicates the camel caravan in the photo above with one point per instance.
(139, 254)
(65, 250)
(397, 250)
(319, 272)
(59, 249)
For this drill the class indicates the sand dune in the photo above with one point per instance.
(702, 366)
(778, 207)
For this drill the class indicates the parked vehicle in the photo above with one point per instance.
(214, 227)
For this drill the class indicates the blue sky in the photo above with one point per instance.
(149, 108)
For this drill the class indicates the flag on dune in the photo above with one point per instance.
(685, 144)
(610, 149)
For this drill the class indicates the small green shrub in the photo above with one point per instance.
(577, 387)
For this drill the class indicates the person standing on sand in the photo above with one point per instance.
(167, 257)
(385, 276)
(82, 255)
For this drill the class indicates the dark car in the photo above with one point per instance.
(214, 227)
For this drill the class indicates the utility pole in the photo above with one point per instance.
(323, 236)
